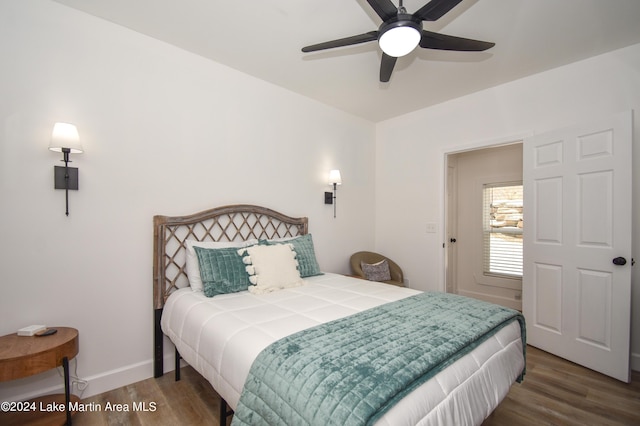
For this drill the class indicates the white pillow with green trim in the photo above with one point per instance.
(271, 268)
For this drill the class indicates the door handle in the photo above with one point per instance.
(619, 261)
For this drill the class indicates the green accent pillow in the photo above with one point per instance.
(222, 271)
(306, 254)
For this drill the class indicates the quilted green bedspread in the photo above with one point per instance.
(352, 370)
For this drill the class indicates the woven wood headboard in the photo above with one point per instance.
(238, 222)
(229, 223)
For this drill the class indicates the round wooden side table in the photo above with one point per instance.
(23, 356)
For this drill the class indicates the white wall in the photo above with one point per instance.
(164, 132)
(410, 149)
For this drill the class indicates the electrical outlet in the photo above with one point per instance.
(432, 228)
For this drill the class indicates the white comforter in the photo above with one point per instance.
(221, 336)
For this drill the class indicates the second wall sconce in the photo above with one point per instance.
(65, 139)
(334, 179)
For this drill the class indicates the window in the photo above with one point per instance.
(502, 226)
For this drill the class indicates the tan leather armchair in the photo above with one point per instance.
(369, 257)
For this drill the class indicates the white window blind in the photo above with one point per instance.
(502, 226)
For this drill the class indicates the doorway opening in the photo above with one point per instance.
(484, 224)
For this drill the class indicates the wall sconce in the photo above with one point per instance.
(334, 179)
(65, 139)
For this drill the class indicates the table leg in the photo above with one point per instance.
(67, 391)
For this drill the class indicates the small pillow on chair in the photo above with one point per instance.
(376, 271)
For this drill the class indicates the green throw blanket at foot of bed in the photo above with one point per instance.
(352, 370)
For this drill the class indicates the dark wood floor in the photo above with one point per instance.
(554, 392)
(558, 392)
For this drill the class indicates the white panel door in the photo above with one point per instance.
(577, 198)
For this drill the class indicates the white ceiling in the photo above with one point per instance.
(263, 38)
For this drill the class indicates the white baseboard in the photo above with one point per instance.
(498, 300)
(125, 376)
(635, 362)
(52, 383)
(119, 377)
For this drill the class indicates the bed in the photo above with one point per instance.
(233, 337)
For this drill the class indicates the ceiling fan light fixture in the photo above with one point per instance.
(401, 32)
(399, 38)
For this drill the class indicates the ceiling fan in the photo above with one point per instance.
(401, 32)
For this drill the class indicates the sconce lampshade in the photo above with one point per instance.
(334, 177)
(65, 135)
